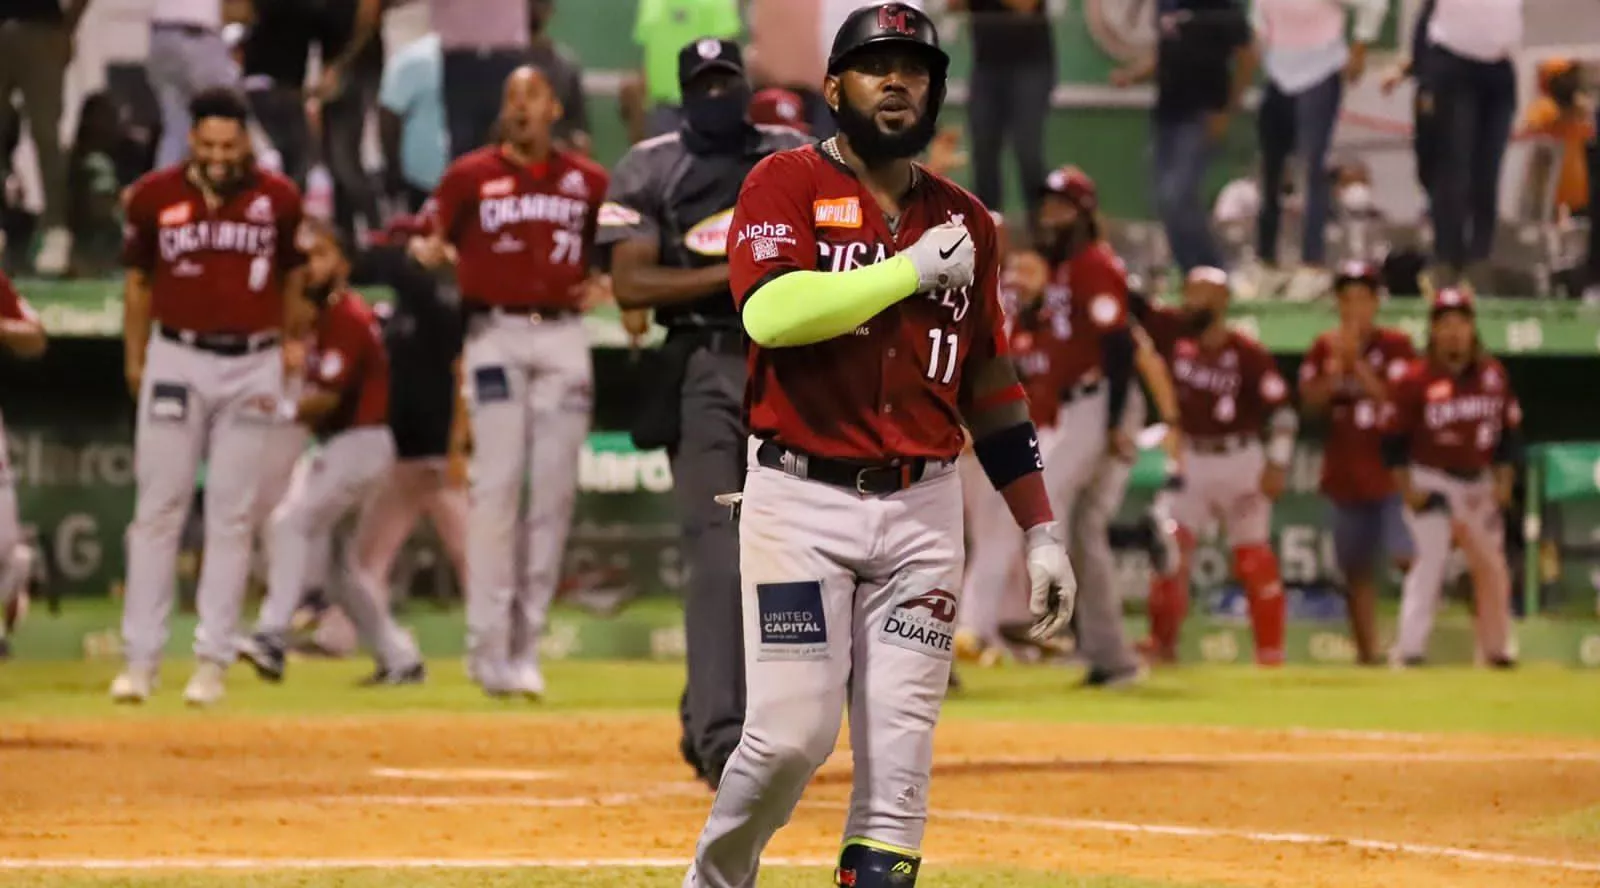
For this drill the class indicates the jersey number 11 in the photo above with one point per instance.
(945, 348)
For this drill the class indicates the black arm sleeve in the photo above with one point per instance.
(1396, 451)
(1509, 450)
(1116, 358)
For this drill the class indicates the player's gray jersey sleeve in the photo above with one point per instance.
(633, 202)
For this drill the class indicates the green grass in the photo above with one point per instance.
(639, 878)
(1534, 700)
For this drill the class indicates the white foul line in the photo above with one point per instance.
(487, 775)
(1273, 838)
(338, 863)
(1277, 758)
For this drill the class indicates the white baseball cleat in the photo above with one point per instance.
(528, 681)
(205, 686)
(132, 686)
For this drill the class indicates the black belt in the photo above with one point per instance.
(722, 340)
(863, 478)
(226, 344)
(1074, 392)
(187, 29)
(531, 312)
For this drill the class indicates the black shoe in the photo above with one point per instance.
(5, 648)
(1502, 662)
(1109, 678)
(864, 867)
(266, 655)
(955, 682)
(1414, 662)
(414, 674)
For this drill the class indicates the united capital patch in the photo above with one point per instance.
(793, 625)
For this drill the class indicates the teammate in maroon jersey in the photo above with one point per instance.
(1346, 376)
(346, 406)
(868, 287)
(213, 274)
(519, 219)
(1229, 390)
(1453, 437)
(22, 336)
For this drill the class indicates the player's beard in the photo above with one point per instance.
(1197, 320)
(1059, 243)
(873, 145)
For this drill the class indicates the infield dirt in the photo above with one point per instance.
(1244, 807)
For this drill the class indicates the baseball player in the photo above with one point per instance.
(213, 273)
(423, 339)
(23, 337)
(518, 218)
(1228, 389)
(1346, 377)
(868, 288)
(1453, 436)
(346, 406)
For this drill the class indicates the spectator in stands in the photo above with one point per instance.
(1592, 292)
(277, 51)
(1203, 62)
(103, 161)
(1013, 74)
(411, 122)
(662, 28)
(482, 42)
(1475, 97)
(565, 73)
(187, 55)
(349, 33)
(35, 48)
(787, 51)
(1563, 114)
(1424, 120)
(1307, 62)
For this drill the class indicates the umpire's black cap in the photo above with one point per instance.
(700, 56)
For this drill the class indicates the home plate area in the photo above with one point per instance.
(1267, 808)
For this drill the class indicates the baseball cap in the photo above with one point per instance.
(699, 56)
(779, 107)
(1356, 272)
(1073, 184)
(1452, 299)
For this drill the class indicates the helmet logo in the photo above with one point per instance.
(708, 48)
(892, 17)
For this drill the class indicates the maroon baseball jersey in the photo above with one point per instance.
(214, 270)
(523, 234)
(1453, 423)
(1352, 460)
(1029, 336)
(1228, 390)
(891, 388)
(1088, 298)
(1164, 325)
(349, 358)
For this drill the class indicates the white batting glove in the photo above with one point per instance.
(943, 257)
(1054, 587)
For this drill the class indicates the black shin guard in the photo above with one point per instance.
(861, 866)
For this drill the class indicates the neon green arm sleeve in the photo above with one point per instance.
(803, 307)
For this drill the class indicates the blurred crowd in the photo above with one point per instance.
(322, 85)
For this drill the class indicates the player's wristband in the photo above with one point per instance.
(1009, 454)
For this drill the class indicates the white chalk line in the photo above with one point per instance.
(487, 775)
(1276, 838)
(1278, 758)
(360, 863)
(1268, 838)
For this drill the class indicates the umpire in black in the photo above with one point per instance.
(665, 225)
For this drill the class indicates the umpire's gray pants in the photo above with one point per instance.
(183, 61)
(710, 460)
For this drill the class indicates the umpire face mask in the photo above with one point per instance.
(716, 111)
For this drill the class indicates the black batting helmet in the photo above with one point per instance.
(893, 24)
